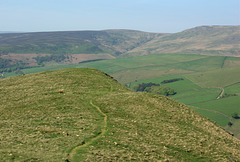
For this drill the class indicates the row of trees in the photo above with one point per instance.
(154, 88)
(161, 90)
(42, 59)
(4, 63)
(235, 115)
(171, 80)
(142, 86)
(7, 65)
(225, 95)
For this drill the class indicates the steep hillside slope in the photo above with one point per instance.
(83, 114)
(214, 40)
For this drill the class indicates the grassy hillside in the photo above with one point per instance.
(207, 80)
(210, 40)
(83, 114)
(204, 79)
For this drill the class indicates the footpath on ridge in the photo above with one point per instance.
(103, 131)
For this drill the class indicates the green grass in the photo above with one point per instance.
(38, 117)
(214, 116)
(234, 89)
(216, 78)
(221, 111)
(189, 93)
(152, 66)
(231, 61)
(184, 88)
(224, 105)
(235, 128)
(198, 98)
(40, 124)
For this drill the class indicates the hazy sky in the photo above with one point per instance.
(147, 15)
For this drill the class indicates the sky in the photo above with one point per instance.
(160, 16)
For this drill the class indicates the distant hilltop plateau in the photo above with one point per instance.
(208, 40)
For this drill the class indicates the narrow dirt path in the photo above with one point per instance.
(103, 130)
(222, 92)
(111, 87)
(220, 95)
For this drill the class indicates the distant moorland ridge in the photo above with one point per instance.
(214, 40)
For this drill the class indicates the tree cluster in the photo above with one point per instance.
(236, 115)
(142, 86)
(154, 88)
(56, 58)
(228, 95)
(171, 80)
(7, 65)
(161, 90)
(4, 63)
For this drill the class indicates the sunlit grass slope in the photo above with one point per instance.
(83, 114)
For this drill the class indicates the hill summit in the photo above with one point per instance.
(207, 40)
(84, 114)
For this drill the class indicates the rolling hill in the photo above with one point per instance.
(84, 114)
(208, 40)
(222, 40)
(113, 42)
